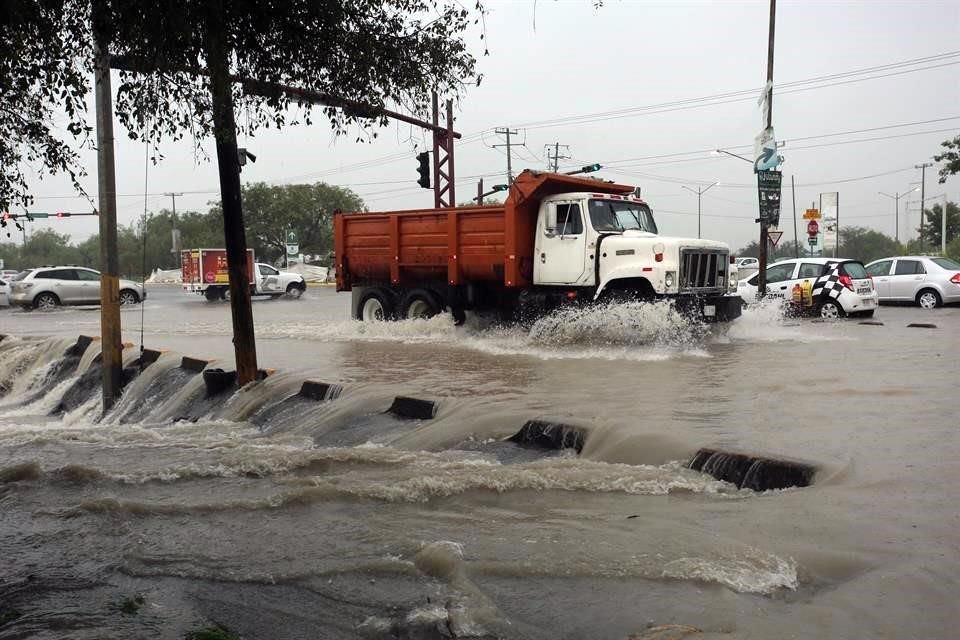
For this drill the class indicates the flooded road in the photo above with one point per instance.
(283, 517)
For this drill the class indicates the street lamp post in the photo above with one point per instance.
(700, 191)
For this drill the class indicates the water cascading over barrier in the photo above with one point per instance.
(753, 472)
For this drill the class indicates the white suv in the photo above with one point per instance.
(48, 287)
(849, 289)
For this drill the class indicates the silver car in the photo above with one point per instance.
(923, 280)
(48, 287)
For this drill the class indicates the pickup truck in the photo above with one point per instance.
(556, 240)
(204, 272)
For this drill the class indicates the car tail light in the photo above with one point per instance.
(955, 279)
(847, 281)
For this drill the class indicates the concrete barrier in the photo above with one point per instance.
(550, 435)
(413, 408)
(922, 325)
(753, 472)
(217, 381)
(194, 364)
(148, 357)
(81, 345)
(871, 323)
(320, 391)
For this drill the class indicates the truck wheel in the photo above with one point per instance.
(294, 290)
(212, 294)
(375, 306)
(420, 303)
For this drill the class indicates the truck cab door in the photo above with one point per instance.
(560, 246)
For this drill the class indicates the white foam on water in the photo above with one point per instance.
(753, 571)
(768, 321)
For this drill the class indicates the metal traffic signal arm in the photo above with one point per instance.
(30, 216)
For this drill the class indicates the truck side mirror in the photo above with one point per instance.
(550, 220)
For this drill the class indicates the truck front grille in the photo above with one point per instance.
(703, 271)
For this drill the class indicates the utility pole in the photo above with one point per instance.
(796, 239)
(480, 191)
(228, 161)
(111, 343)
(506, 131)
(762, 271)
(554, 161)
(700, 191)
(174, 235)
(923, 192)
(896, 209)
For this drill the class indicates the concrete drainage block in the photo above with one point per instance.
(413, 408)
(193, 364)
(753, 472)
(217, 381)
(544, 434)
(320, 391)
(921, 325)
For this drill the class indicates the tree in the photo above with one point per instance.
(780, 252)
(933, 224)
(271, 212)
(866, 245)
(952, 159)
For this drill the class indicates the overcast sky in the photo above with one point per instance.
(553, 60)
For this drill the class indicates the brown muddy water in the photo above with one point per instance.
(282, 517)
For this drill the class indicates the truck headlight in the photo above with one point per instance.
(669, 278)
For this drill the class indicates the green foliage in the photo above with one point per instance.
(377, 52)
(953, 249)
(933, 225)
(951, 158)
(270, 212)
(866, 245)
(782, 251)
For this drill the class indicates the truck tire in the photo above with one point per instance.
(376, 305)
(212, 294)
(420, 304)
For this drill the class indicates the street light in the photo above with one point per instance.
(896, 198)
(717, 152)
(699, 193)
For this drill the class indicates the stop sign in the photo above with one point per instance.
(813, 228)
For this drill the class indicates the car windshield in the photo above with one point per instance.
(946, 263)
(621, 215)
(854, 270)
(20, 276)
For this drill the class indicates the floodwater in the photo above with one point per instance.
(282, 517)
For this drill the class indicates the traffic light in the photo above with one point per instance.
(501, 187)
(63, 214)
(590, 168)
(424, 169)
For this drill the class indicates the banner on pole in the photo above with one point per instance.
(768, 189)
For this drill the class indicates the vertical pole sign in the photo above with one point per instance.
(768, 189)
(293, 249)
(830, 209)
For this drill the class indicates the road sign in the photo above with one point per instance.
(813, 228)
(774, 237)
(812, 240)
(293, 247)
(768, 189)
(811, 214)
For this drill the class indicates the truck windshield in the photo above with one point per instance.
(621, 215)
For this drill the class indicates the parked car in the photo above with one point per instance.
(854, 295)
(923, 280)
(4, 294)
(748, 263)
(48, 287)
(6, 274)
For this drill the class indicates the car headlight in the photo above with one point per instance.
(669, 278)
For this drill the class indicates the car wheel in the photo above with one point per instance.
(376, 305)
(420, 304)
(830, 310)
(929, 299)
(46, 301)
(294, 290)
(128, 296)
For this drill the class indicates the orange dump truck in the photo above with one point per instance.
(556, 240)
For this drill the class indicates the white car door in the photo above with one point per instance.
(880, 272)
(908, 276)
(88, 286)
(780, 279)
(268, 279)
